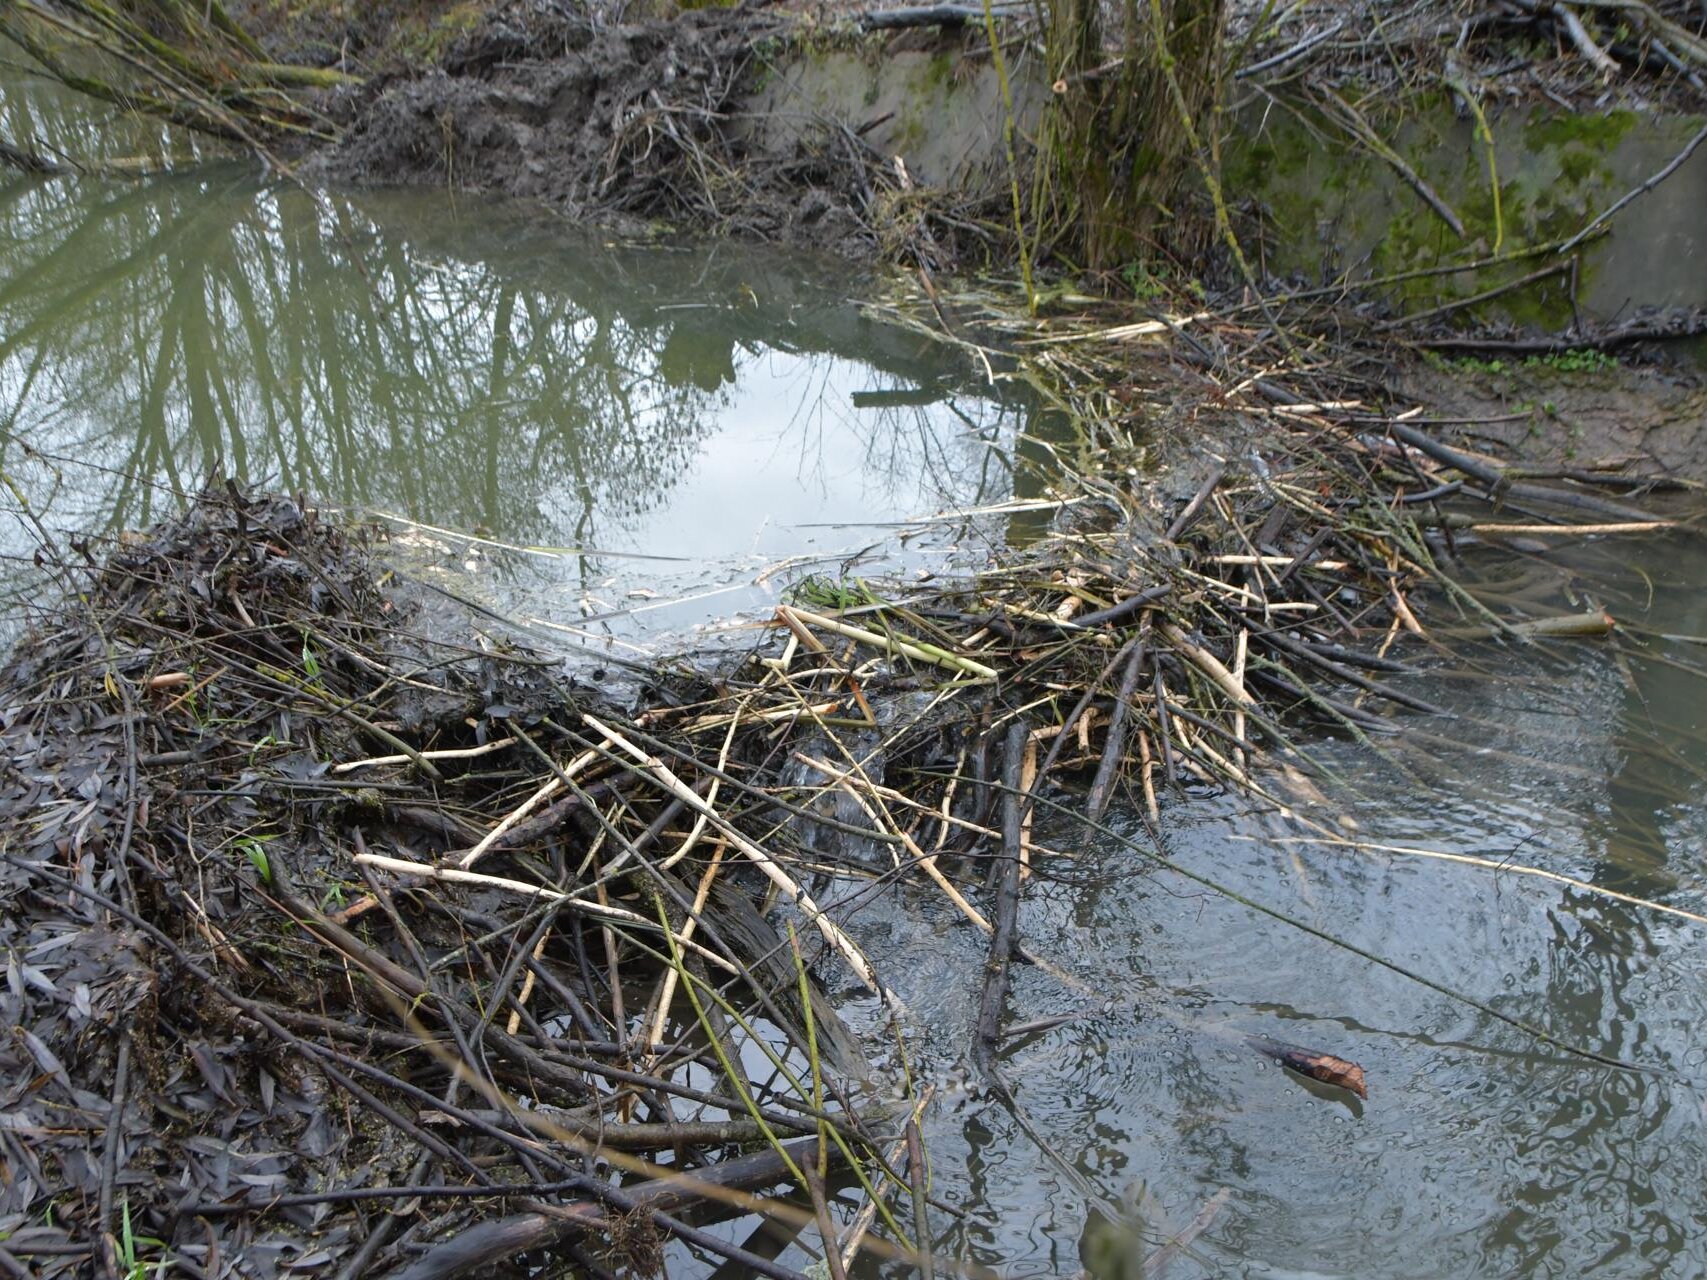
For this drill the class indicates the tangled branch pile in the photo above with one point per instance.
(237, 1037)
(334, 938)
(639, 125)
(1573, 48)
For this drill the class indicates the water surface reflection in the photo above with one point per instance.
(1481, 1150)
(463, 362)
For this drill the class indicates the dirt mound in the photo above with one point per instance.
(632, 125)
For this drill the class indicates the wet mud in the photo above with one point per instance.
(1639, 418)
(639, 126)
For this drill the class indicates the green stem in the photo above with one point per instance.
(1008, 128)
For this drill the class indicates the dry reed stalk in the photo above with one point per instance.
(913, 649)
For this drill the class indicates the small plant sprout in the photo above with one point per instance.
(254, 849)
(132, 1266)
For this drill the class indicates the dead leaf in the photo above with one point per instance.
(1325, 1067)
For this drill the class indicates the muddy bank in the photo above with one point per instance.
(1582, 413)
(882, 144)
(643, 126)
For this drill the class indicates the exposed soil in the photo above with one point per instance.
(1647, 418)
(639, 126)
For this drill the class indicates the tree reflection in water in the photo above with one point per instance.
(461, 361)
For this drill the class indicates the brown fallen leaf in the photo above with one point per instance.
(1318, 1066)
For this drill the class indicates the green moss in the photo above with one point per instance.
(1476, 206)
(1541, 306)
(1248, 164)
(1329, 204)
(423, 40)
(1416, 239)
(910, 132)
(1275, 168)
(1578, 167)
(1553, 130)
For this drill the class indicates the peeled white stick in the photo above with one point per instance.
(1210, 665)
(461, 753)
(839, 942)
(553, 785)
(667, 992)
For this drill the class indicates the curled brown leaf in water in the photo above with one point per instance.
(1325, 1067)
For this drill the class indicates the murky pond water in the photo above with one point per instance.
(656, 422)
(466, 366)
(1481, 1151)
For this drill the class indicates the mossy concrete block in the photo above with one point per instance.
(1330, 208)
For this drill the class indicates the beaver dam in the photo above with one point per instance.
(525, 756)
(343, 939)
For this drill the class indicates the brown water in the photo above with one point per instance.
(467, 366)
